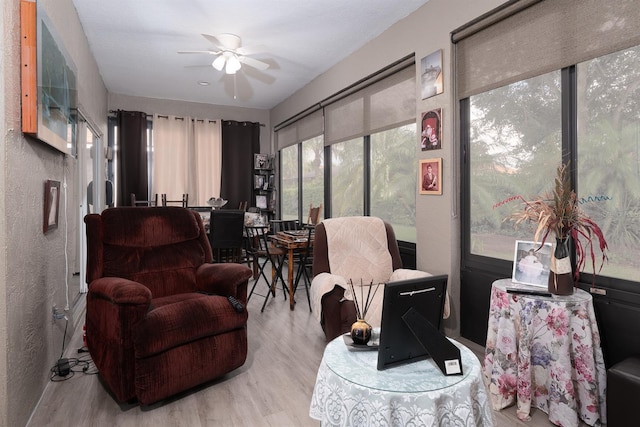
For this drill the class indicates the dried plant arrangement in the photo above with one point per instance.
(559, 213)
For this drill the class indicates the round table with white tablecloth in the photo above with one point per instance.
(350, 391)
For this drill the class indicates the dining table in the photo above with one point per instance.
(292, 241)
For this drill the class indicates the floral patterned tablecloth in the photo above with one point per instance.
(545, 352)
(350, 391)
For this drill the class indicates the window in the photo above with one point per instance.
(347, 190)
(289, 180)
(515, 144)
(393, 179)
(312, 174)
(357, 151)
(608, 122)
(514, 149)
(524, 110)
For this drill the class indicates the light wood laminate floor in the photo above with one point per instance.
(273, 387)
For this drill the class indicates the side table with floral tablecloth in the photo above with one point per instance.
(545, 352)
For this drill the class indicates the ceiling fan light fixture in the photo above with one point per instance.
(219, 62)
(233, 64)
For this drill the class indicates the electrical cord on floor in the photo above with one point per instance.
(65, 369)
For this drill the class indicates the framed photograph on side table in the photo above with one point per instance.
(531, 263)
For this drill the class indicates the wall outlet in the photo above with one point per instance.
(57, 313)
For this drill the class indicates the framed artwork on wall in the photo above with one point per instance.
(430, 177)
(49, 81)
(431, 136)
(51, 205)
(431, 74)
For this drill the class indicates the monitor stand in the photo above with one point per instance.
(442, 351)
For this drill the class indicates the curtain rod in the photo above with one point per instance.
(375, 77)
(489, 18)
(113, 112)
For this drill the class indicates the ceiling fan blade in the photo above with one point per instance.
(213, 40)
(210, 52)
(252, 62)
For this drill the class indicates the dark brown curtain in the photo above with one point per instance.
(133, 176)
(240, 141)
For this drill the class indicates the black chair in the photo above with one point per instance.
(305, 265)
(278, 225)
(260, 251)
(226, 235)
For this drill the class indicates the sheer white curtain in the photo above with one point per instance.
(187, 158)
(208, 160)
(171, 136)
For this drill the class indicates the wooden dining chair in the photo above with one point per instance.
(314, 214)
(137, 202)
(184, 202)
(278, 225)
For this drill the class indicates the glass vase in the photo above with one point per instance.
(561, 273)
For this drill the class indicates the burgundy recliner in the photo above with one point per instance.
(158, 319)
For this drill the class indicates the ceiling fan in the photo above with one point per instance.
(229, 55)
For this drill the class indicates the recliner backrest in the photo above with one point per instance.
(158, 247)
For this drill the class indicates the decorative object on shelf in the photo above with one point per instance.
(263, 161)
(559, 213)
(217, 202)
(360, 329)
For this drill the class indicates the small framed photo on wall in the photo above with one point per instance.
(430, 177)
(431, 136)
(431, 74)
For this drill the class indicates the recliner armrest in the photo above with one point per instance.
(120, 291)
(226, 279)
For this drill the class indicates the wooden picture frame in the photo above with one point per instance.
(49, 81)
(51, 205)
(430, 176)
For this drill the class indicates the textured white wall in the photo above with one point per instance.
(32, 268)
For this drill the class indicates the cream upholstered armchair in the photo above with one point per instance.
(362, 249)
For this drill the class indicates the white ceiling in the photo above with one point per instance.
(135, 44)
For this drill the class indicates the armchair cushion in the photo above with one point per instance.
(361, 249)
(180, 319)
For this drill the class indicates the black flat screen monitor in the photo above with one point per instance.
(398, 345)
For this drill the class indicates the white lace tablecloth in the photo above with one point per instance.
(350, 391)
(545, 352)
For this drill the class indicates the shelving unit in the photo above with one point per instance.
(264, 190)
